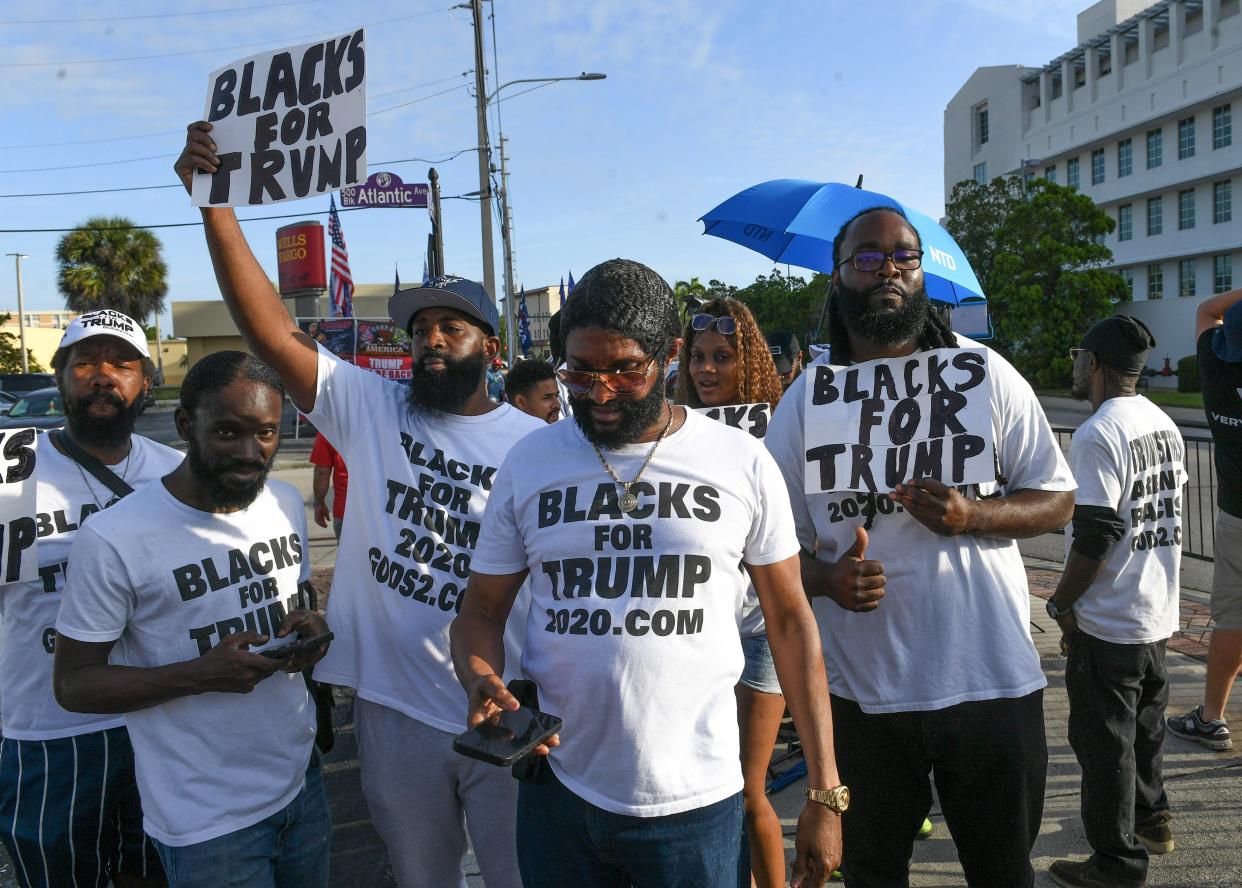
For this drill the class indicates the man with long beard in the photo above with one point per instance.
(169, 588)
(69, 811)
(422, 461)
(921, 596)
(633, 542)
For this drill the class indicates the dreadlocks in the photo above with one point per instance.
(935, 334)
(757, 378)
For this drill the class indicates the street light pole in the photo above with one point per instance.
(485, 154)
(506, 219)
(21, 309)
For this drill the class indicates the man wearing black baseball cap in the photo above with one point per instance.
(1117, 603)
(421, 465)
(786, 354)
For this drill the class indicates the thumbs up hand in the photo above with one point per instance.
(854, 583)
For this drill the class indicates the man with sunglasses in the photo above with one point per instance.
(921, 595)
(631, 522)
(422, 462)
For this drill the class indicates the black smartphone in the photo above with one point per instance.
(507, 737)
(297, 646)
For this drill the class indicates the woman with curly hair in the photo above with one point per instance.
(725, 360)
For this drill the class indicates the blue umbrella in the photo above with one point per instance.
(795, 221)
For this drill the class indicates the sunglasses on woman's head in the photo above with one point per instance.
(725, 325)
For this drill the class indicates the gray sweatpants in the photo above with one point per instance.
(419, 792)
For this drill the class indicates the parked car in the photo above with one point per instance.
(20, 383)
(40, 409)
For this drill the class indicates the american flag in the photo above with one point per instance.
(340, 281)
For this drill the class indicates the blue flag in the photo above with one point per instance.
(562, 291)
(426, 276)
(571, 287)
(396, 284)
(523, 323)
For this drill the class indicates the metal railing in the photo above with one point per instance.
(1198, 494)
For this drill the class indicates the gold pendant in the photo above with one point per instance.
(628, 502)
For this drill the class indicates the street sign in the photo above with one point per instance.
(385, 190)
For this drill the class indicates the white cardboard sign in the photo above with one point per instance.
(19, 559)
(753, 418)
(287, 124)
(872, 426)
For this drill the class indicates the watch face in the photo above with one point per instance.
(843, 797)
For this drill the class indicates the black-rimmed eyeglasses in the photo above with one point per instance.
(873, 260)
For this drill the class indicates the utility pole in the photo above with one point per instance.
(159, 349)
(506, 237)
(21, 310)
(485, 153)
(437, 227)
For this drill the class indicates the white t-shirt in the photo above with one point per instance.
(417, 490)
(166, 581)
(1128, 456)
(66, 495)
(953, 624)
(632, 631)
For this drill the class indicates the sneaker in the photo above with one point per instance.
(1154, 833)
(925, 830)
(1079, 874)
(1191, 726)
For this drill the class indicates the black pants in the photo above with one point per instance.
(989, 760)
(1117, 695)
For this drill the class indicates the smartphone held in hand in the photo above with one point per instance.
(508, 736)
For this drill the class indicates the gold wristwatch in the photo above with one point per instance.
(836, 799)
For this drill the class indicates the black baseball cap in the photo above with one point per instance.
(445, 291)
(785, 350)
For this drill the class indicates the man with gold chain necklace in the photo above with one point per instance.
(631, 523)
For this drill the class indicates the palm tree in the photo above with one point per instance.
(108, 263)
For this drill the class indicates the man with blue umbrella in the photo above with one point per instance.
(918, 587)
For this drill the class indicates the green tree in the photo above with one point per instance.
(107, 263)
(689, 295)
(785, 303)
(11, 352)
(1040, 257)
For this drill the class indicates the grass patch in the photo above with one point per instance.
(167, 392)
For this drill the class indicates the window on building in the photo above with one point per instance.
(1125, 222)
(1125, 158)
(1080, 73)
(1228, 8)
(1155, 215)
(1160, 37)
(1127, 275)
(981, 173)
(1071, 172)
(1186, 278)
(1130, 53)
(1056, 85)
(1222, 201)
(1097, 166)
(1185, 138)
(1222, 126)
(1050, 173)
(1105, 63)
(1155, 148)
(1222, 273)
(1194, 21)
(1186, 209)
(1155, 282)
(981, 124)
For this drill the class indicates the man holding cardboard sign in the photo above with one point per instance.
(914, 462)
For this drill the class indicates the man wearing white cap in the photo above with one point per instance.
(69, 808)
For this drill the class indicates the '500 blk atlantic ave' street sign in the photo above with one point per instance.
(385, 190)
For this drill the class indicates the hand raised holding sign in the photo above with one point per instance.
(939, 508)
(853, 582)
(199, 154)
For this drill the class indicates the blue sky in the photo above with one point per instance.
(702, 99)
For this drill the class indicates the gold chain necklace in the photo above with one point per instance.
(629, 501)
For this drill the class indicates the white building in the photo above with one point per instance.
(1138, 117)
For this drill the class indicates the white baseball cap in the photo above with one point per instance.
(106, 322)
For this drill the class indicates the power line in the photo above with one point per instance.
(452, 156)
(195, 224)
(102, 163)
(154, 15)
(392, 92)
(190, 52)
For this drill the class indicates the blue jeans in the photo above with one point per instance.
(564, 840)
(289, 849)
